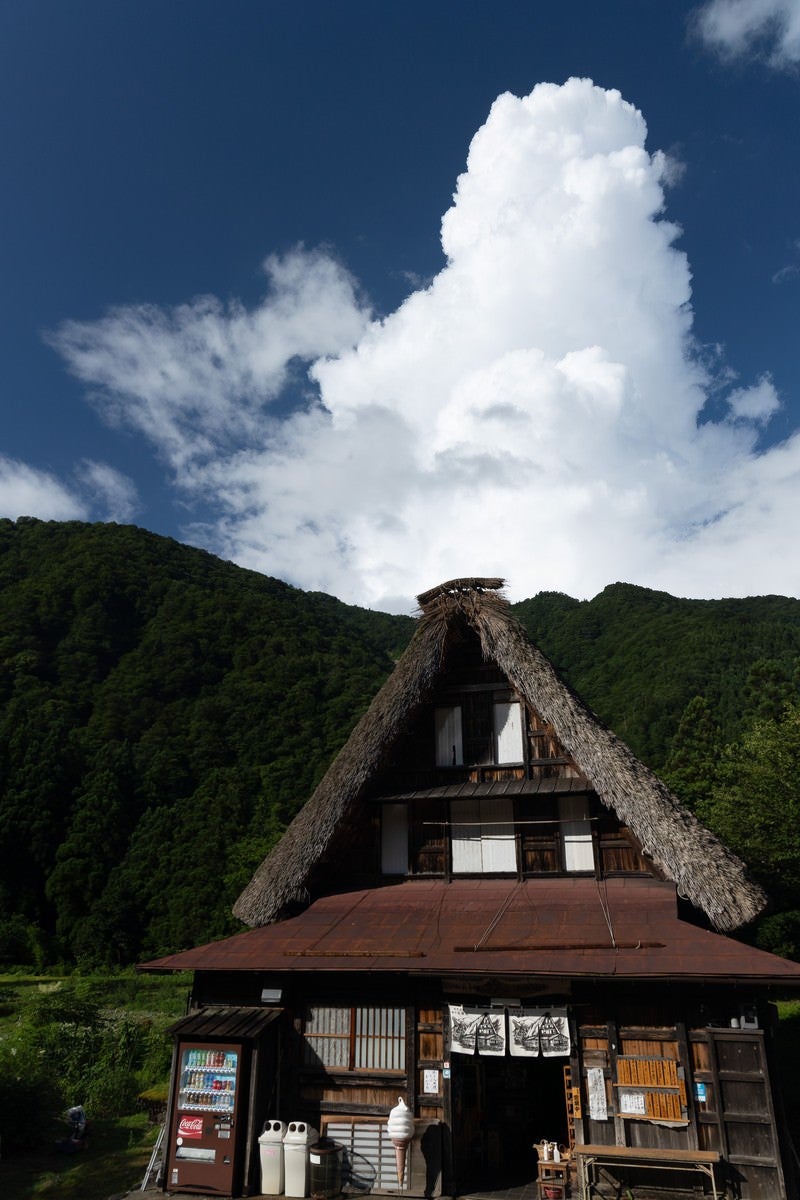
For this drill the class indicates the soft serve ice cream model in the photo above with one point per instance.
(401, 1131)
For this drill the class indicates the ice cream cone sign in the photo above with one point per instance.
(401, 1130)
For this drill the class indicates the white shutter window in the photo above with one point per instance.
(449, 743)
(465, 825)
(483, 836)
(508, 732)
(394, 839)
(576, 830)
(378, 1042)
(327, 1037)
(498, 845)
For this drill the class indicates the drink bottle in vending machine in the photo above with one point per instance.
(204, 1138)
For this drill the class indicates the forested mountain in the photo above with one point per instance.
(639, 658)
(163, 715)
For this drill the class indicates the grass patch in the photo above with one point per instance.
(99, 1040)
(113, 1163)
(148, 994)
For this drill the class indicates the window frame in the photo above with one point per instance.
(421, 834)
(483, 851)
(369, 1026)
(471, 728)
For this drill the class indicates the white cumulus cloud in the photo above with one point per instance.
(533, 411)
(753, 28)
(756, 403)
(26, 491)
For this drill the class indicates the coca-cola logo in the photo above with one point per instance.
(190, 1127)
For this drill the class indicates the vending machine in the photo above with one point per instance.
(206, 1118)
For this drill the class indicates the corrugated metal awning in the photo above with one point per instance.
(551, 785)
(232, 1023)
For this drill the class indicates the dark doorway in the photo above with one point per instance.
(501, 1106)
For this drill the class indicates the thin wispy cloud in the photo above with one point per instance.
(533, 411)
(199, 378)
(764, 29)
(112, 494)
(791, 270)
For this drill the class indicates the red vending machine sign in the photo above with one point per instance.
(202, 1153)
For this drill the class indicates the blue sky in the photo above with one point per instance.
(290, 282)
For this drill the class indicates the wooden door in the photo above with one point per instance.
(735, 1110)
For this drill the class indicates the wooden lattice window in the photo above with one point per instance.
(369, 1161)
(361, 1038)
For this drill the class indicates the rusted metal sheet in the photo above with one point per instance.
(619, 928)
(230, 1023)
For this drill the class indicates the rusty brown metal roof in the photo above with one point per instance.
(626, 928)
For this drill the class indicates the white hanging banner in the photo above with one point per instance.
(462, 1029)
(477, 1030)
(524, 1041)
(490, 1035)
(537, 1031)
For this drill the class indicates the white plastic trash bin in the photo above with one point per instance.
(296, 1140)
(271, 1146)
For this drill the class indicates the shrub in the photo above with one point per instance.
(29, 1096)
(68, 1050)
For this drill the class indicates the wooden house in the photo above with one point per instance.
(490, 908)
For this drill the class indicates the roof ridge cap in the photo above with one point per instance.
(451, 587)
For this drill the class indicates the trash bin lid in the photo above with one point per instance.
(273, 1131)
(299, 1133)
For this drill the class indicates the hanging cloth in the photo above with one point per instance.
(477, 1030)
(490, 1034)
(463, 1026)
(537, 1031)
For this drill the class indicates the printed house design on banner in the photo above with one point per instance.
(546, 1033)
(490, 908)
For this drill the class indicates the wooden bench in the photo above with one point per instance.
(589, 1158)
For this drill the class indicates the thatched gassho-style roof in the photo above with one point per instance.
(704, 870)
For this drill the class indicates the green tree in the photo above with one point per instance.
(691, 766)
(755, 808)
(770, 686)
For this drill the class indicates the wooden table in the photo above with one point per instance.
(589, 1158)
